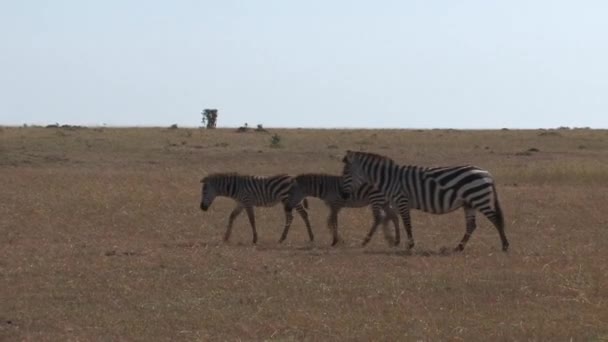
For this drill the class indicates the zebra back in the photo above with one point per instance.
(431, 189)
(329, 188)
(259, 190)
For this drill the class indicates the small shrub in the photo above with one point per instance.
(549, 134)
(533, 149)
(243, 129)
(275, 141)
(261, 129)
(188, 133)
(332, 147)
(174, 126)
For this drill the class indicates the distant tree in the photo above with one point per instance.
(209, 118)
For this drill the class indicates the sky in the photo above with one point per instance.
(333, 64)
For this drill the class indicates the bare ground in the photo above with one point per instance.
(101, 237)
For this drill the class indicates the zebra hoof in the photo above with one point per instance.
(459, 248)
(505, 248)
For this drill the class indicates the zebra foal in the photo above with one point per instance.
(436, 190)
(328, 188)
(249, 192)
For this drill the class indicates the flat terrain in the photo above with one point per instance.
(102, 238)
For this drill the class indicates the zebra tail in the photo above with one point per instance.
(305, 203)
(500, 219)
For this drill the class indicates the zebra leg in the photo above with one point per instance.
(332, 224)
(404, 210)
(233, 215)
(372, 231)
(251, 216)
(288, 220)
(469, 214)
(300, 209)
(390, 215)
(497, 220)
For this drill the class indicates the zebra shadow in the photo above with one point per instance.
(192, 244)
(311, 247)
(419, 252)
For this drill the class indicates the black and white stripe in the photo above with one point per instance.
(328, 188)
(435, 190)
(252, 191)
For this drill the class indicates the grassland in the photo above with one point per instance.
(101, 238)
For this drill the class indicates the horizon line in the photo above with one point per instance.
(57, 125)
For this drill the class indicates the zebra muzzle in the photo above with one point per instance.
(204, 207)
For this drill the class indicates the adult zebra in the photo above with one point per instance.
(328, 188)
(435, 190)
(250, 191)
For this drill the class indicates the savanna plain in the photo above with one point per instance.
(102, 238)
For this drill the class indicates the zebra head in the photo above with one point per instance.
(352, 175)
(208, 193)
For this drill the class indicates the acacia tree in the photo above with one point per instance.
(209, 118)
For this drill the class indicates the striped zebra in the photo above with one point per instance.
(435, 190)
(328, 188)
(251, 191)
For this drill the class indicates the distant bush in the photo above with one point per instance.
(275, 141)
(174, 126)
(243, 129)
(72, 127)
(549, 134)
(261, 129)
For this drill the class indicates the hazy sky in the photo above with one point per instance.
(407, 64)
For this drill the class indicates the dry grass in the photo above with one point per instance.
(102, 238)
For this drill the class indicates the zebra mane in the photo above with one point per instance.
(219, 175)
(313, 175)
(222, 175)
(370, 155)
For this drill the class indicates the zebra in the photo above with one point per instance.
(250, 191)
(435, 190)
(328, 188)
